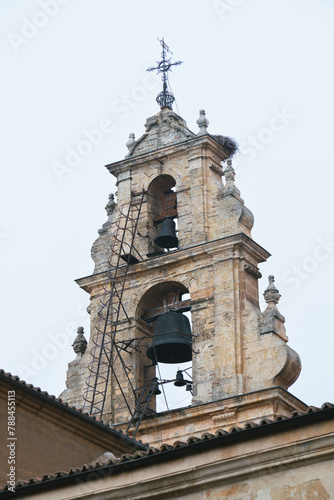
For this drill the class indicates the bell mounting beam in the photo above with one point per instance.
(169, 207)
(170, 302)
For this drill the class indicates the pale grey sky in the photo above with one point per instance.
(263, 72)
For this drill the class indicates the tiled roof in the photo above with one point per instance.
(221, 437)
(78, 412)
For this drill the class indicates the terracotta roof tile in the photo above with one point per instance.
(86, 467)
(265, 421)
(152, 450)
(235, 428)
(311, 409)
(250, 425)
(193, 439)
(139, 454)
(78, 411)
(220, 435)
(327, 405)
(125, 458)
(220, 432)
(280, 417)
(206, 436)
(61, 473)
(166, 447)
(179, 444)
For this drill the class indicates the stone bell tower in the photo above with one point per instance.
(241, 363)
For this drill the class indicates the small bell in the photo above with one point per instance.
(179, 382)
(155, 391)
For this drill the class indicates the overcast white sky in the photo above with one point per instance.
(262, 70)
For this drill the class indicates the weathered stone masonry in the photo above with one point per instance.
(239, 350)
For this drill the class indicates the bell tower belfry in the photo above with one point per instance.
(179, 241)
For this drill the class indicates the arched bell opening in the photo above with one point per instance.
(167, 354)
(162, 209)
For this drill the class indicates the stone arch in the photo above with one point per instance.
(156, 300)
(162, 204)
(152, 296)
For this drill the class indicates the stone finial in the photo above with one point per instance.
(110, 206)
(131, 141)
(271, 294)
(230, 189)
(202, 122)
(229, 173)
(80, 343)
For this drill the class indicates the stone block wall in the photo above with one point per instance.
(236, 348)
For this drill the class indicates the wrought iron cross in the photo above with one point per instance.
(165, 98)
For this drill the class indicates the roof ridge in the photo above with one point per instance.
(74, 409)
(220, 435)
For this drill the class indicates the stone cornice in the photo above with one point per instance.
(215, 248)
(168, 151)
(234, 410)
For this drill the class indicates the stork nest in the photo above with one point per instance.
(228, 143)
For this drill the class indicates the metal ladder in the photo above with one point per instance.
(105, 349)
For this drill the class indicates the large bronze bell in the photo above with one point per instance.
(172, 339)
(167, 237)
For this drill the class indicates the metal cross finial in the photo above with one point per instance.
(165, 98)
